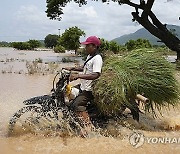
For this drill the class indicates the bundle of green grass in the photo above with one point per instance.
(140, 72)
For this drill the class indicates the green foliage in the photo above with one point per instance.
(54, 7)
(104, 45)
(53, 10)
(42, 44)
(34, 43)
(21, 45)
(70, 38)
(39, 60)
(140, 72)
(136, 44)
(130, 45)
(59, 49)
(5, 44)
(51, 40)
(30, 45)
(111, 46)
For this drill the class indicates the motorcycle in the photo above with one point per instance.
(53, 110)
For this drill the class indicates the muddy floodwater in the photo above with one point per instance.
(160, 135)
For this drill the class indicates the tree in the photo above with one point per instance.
(70, 38)
(5, 44)
(109, 46)
(130, 44)
(104, 45)
(145, 17)
(34, 43)
(51, 40)
(29, 45)
(21, 45)
(139, 43)
(114, 46)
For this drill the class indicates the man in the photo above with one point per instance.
(90, 71)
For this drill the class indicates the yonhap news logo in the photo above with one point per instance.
(137, 139)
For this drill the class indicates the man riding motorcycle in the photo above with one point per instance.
(91, 70)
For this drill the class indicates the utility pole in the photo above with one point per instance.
(59, 32)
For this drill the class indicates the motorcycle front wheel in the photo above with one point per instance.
(24, 120)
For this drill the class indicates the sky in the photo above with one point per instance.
(21, 20)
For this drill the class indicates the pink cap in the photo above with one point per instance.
(92, 40)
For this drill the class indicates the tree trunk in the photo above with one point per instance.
(159, 30)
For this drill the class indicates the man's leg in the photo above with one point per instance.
(85, 119)
(79, 106)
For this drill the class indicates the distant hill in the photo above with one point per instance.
(143, 33)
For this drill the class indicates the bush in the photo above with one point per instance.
(113, 46)
(66, 60)
(59, 49)
(34, 43)
(139, 43)
(104, 46)
(39, 60)
(21, 45)
(5, 44)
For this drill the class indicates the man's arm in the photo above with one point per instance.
(79, 69)
(91, 76)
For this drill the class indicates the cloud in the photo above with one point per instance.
(32, 16)
(167, 12)
(89, 12)
(29, 14)
(106, 21)
(28, 20)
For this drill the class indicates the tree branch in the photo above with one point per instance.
(156, 22)
(158, 30)
(147, 8)
(146, 24)
(131, 4)
(149, 5)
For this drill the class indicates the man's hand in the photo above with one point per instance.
(73, 76)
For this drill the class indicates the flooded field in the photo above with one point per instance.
(161, 135)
